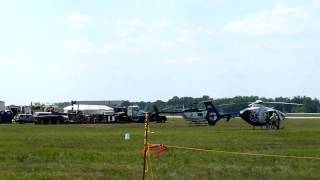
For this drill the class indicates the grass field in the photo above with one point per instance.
(100, 151)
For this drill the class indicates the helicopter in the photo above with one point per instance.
(256, 114)
(209, 113)
(259, 115)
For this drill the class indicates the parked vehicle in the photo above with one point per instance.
(49, 118)
(119, 115)
(23, 118)
(6, 117)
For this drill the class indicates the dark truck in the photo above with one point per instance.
(135, 114)
(6, 117)
(49, 118)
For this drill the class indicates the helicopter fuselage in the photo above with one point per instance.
(259, 115)
(255, 115)
(194, 114)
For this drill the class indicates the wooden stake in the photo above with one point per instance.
(146, 129)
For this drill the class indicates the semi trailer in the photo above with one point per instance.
(120, 115)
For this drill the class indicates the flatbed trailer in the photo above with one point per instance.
(49, 118)
(73, 118)
(79, 118)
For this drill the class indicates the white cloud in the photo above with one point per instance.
(4, 61)
(198, 30)
(136, 36)
(185, 40)
(125, 28)
(78, 47)
(297, 47)
(281, 20)
(132, 27)
(315, 3)
(77, 19)
(130, 23)
(141, 44)
(162, 24)
(135, 23)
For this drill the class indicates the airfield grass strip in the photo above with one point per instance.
(243, 153)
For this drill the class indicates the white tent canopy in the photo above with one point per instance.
(89, 109)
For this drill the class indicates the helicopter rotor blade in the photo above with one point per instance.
(228, 104)
(231, 104)
(285, 103)
(164, 109)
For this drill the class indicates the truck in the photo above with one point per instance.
(2, 106)
(6, 117)
(137, 115)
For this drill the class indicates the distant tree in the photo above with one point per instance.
(126, 104)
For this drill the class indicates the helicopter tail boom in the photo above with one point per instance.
(213, 115)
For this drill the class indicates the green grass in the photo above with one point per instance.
(100, 151)
(303, 115)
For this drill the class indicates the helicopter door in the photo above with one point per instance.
(253, 116)
(262, 116)
(258, 116)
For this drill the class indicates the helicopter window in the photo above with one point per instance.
(200, 114)
(201, 106)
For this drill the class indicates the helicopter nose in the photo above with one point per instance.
(244, 114)
(241, 114)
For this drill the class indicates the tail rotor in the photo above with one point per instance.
(212, 116)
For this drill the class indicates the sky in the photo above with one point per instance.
(144, 50)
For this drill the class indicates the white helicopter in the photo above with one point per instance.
(209, 113)
(259, 115)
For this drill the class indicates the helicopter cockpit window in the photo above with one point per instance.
(201, 106)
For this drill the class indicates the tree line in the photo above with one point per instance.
(234, 104)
